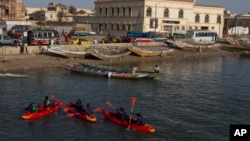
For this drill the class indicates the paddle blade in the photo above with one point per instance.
(109, 103)
(133, 100)
(66, 109)
(52, 97)
(70, 115)
(98, 109)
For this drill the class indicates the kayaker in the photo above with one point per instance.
(78, 105)
(157, 69)
(123, 114)
(46, 102)
(140, 119)
(32, 108)
(88, 110)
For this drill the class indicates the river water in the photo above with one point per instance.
(192, 100)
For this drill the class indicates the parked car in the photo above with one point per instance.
(6, 40)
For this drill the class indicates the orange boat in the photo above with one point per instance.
(125, 123)
(42, 112)
(70, 109)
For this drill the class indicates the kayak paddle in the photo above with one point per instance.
(133, 100)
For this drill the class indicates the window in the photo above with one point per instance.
(112, 11)
(206, 19)
(124, 11)
(100, 12)
(218, 19)
(106, 11)
(130, 11)
(181, 13)
(118, 11)
(166, 13)
(197, 18)
(149, 11)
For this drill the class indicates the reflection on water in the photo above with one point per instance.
(190, 100)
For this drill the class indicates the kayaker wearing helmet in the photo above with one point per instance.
(88, 110)
(46, 102)
(140, 119)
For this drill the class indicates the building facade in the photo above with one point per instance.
(117, 17)
(11, 10)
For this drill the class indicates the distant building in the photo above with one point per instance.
(12, 10)
(172, 16)
(237, 24)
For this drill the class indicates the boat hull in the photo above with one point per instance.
(44, 112)
(149, 52)
(125, 123)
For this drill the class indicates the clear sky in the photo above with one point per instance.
(235, 6)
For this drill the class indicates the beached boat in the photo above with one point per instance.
(148, 52)
(245, 43)
(189, 44)
(63, 53)
(109, 54)
(86, 69)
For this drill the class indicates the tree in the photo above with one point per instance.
(72, 10)
(81, 12)
(60, 15)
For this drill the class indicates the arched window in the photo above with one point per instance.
(149, 11)
(197, 18)
(166, 13)
(181, 13)
(219, 19)
(206, 19)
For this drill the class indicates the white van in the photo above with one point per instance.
(6, 40)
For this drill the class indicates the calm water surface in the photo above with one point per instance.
(191, 101)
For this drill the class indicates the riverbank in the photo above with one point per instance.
(34, 61)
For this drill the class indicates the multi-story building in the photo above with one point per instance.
(12, 10)
(172, 16)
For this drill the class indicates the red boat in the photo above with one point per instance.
(125, 123)
(41, 111)
(70, 109)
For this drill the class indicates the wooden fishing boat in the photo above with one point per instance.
(110, 54)
(151, 74)
(189, 44)
(148, 52)
(12, 75)
(86, 69)
(63, 53)
(245, 44)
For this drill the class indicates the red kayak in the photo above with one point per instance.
(42, 111)
(125, 123)
(70, 109)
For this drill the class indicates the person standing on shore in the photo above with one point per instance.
(26, 47)
(156, 69)
(134, 69)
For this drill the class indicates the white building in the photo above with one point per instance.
(174, 16)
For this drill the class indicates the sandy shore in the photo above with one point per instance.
(19, 63)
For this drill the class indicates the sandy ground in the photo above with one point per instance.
(19, 63)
